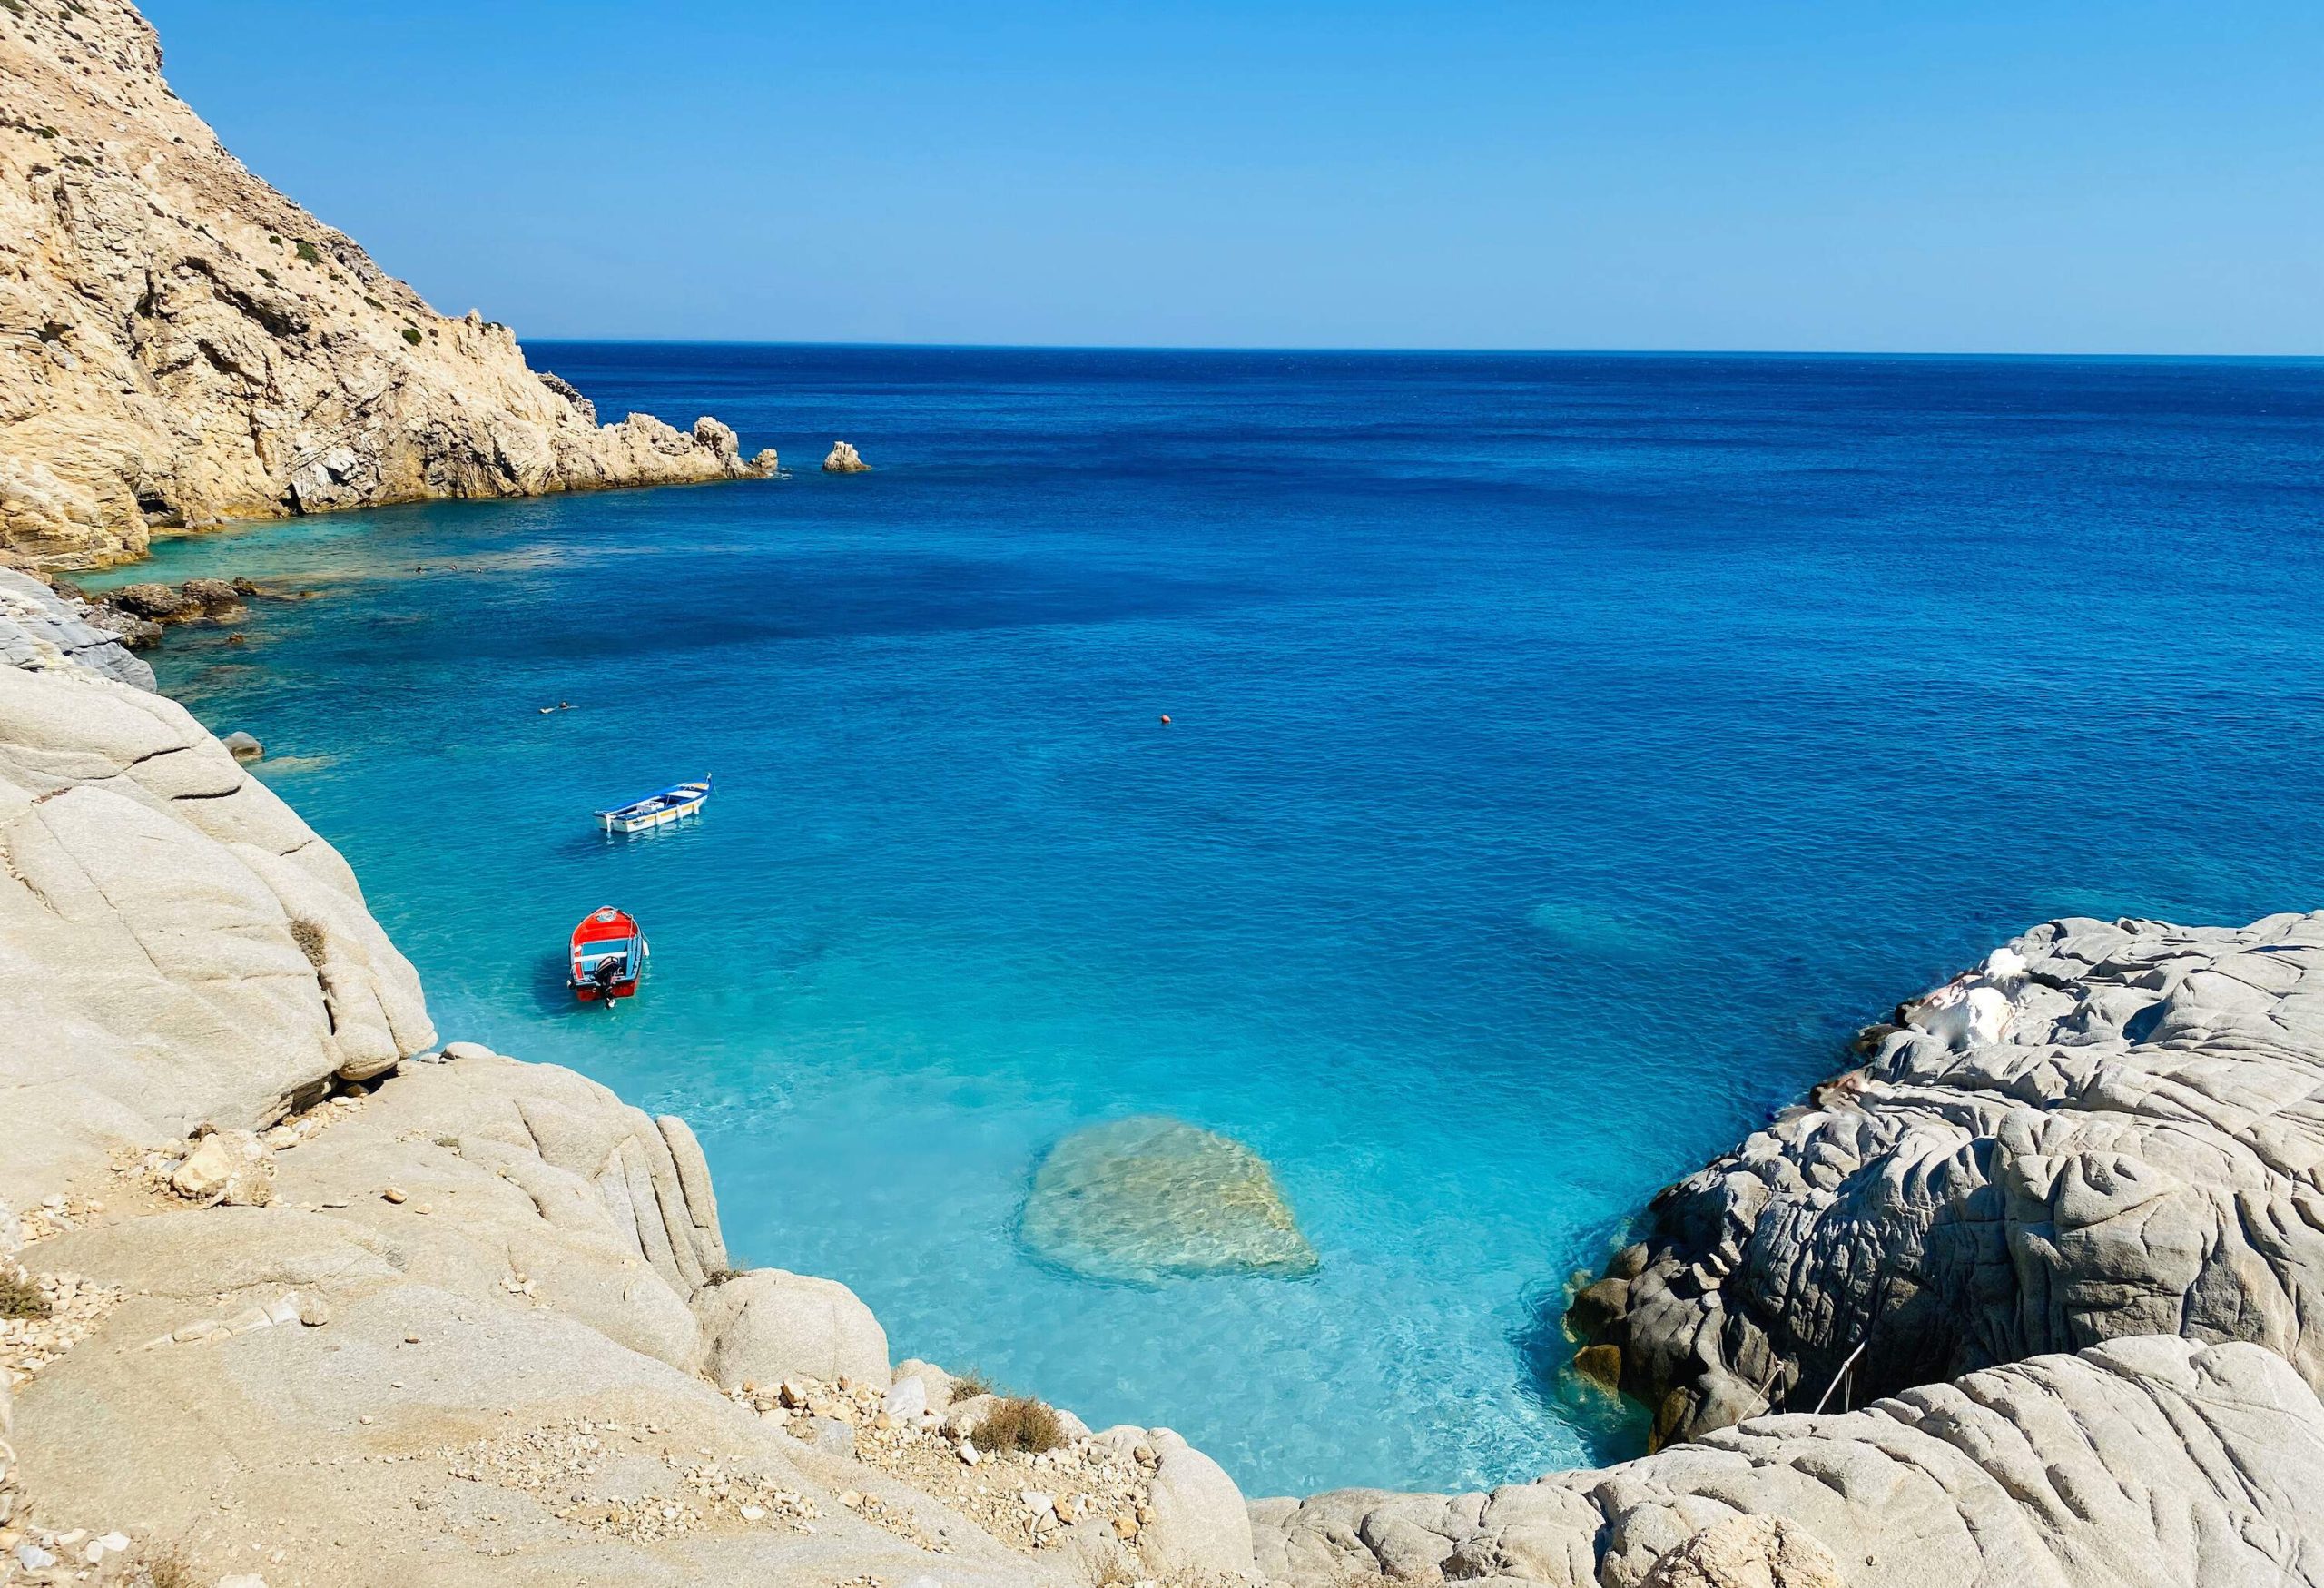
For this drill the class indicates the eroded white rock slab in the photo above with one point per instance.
(179, 947)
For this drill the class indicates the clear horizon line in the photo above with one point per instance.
(1419, 350)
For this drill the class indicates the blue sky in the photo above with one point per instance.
(1937, 175)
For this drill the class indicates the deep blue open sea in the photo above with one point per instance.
(1566, 754)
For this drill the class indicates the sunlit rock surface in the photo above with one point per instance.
(187, 345)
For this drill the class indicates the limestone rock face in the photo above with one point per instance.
(1150, 1198)
(40, 629)
(1748, 1552)
(2151, 1463)
(768, 1325)
(195, 347)
(1201, 1526)
(2109, 1129)
(178, 947)
(842, 458)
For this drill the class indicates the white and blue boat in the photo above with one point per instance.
(674, 803)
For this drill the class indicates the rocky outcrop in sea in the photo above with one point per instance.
(1149, 1198)
(2110, 1128)
(186, 345)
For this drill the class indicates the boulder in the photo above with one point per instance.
(1149, 1198)
(1201, 1525)
(936, 1385)
(718, 438)
(155, 603)
(767, 1324)
(213, 597)
(842, 458)
(243, 747)
(226, 1165)
(906, 1399)
(1600, 1365)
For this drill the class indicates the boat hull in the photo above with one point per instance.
(659, 809)
(609, 955)
(662, 818)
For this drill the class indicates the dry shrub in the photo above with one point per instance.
(309, 936)
(172, 1567)
(971, 1383)
(1021, 1423)
(19, 1297)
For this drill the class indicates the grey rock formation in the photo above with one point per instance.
(2111, 1129)
(2150, 1463)
(194, 347)
(842, 458)
(1149, 1198)
(39, 629)
(1201, 1526)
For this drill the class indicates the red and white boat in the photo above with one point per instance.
(609, 955)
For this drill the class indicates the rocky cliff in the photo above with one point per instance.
(289, 1293)
(2110, 1128)
(181, 344)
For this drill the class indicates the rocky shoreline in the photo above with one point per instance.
(265, 1231)
(369, 1308)
(185, 346)
(292, 1293)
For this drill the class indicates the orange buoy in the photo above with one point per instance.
(1166, 719)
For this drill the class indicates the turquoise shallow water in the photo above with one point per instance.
(1567, 753)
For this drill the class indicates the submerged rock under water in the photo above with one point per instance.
(1151, 1197)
